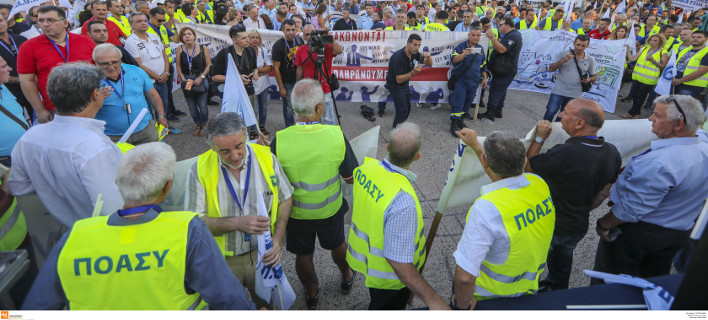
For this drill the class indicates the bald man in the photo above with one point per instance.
(580, 173)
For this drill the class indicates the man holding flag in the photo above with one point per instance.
(218, 186)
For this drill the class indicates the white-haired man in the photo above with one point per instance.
(224, 186)
(138, 258)
(386, 241)
(658, 196)
(314, 156)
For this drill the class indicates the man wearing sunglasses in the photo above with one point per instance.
(658, 196)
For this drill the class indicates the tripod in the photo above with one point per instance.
(324, 74)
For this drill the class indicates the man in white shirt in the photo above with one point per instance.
(34, 30)
(253, 21)
(69, 162)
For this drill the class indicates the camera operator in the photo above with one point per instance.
(401, 68)
(322, 44)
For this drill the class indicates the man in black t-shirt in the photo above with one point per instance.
(503, 64)
(346, 22)
(402, 66)
(283, 55)
(244, 58)
(579, 174)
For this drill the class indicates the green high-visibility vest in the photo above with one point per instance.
(523, 25)
(647, 72)
(529, 218)
(13, 228)
(133, 267)
(549, 23)
(693, 64)
(374, 188)
(164, 37)
(310, 156)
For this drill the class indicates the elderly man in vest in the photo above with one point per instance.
(503, 248)
(386, 241)
(226, 186)
(314, 156)
(138, 258)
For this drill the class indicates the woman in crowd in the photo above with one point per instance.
(388, 17)
(193, 63)
(265, 65)
(651, 60)
(319, 18)
(267, 21)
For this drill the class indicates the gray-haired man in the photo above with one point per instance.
(314, 156)
(224, 186)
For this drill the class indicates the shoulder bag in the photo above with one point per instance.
(585, 86)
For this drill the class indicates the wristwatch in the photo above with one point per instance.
(203, 76)
(160, 116)
(538, 140)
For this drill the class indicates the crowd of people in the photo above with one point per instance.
(67, 98)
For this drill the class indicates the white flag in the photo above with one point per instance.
(622, 7)
(632, 39)
(568, 8)
(235, 97)
(680, 19)
(663, 87)
(271, 283)
(607, 14)
(24, 5)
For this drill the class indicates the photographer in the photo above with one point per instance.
(568, 81)
(318, 43)
(401, 68)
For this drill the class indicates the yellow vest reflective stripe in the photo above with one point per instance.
(523, 25)
(164, 37)
(417, 27)
(549, 23)
(122, 24)
(670, 43)
(124, 147)
(374, 189)
(529, 217)
(208, 172)
(579, 31)
(647, 72)
(310, 156)
(202, 18)
(13, 228)
(436, 27)
(654, 30)
(405, 27)
(134, 267)
(693, 64)
(179, 15)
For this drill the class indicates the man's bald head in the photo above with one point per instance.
(590, 111)
(404, 145)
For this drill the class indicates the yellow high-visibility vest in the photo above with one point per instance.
(647, 72)
(693, 64)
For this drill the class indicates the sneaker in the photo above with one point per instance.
(179, 113)
(381, 112)
(175, 131)
(419, 105)
(498, 113)
(172, 117)
(627, 99)
(435, 106)
(312, 302)
(346, 287)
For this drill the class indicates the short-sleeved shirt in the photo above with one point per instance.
(400, 64)
(9, 53)
(114, 31)
(10, 130)
(567, 80)
(575, 172)
(245, 63)
(302, 59)
(149, 52)
(38, 56)
(284, 52)
(18, 28)
(137, 84)
(683, 61)
(513, 42)
(475, 71)
(341, 24)
(595, 34)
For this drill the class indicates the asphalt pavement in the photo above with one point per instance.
(521, 112)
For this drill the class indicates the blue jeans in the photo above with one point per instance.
(692, 91)
(555, 102)
(287, 106)
(461, 99)
(162, 91)
(198, 106)
(560, 259)
(402, 103)
(497, 93)
(261, 107)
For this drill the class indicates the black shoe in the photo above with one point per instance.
(381, 112)
(312, 302)
(211, 102)
(172, 117)
(482, 104)
(455, 126)
(178, 113)
(627, 99)
(546, 285)
(498, 114)
(486, 117)
(467, 116)
(461, 124)
(347, 286)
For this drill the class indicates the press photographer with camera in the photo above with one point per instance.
(314, 61)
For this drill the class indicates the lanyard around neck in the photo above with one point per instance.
(66, 59)
(245, 188)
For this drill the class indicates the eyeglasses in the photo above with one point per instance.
(680, 110)
(161, 21)
(108, 64)
(49, 20)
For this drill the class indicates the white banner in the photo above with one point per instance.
(690, 5)
(363, 66)
(540, 49)
(466, 176)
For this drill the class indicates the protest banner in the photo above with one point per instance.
(363, 66)
(540, 49)
(690, 5)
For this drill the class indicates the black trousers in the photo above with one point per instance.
(643, 250)
(383, 299)
(402, 102)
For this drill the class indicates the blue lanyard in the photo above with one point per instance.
(289, 47)
(37, 28)
(231, 187)
(131, 211)
(591, 137)
(122, 86)
(66, 59)
(389, 167)
(190, 58)
(14, 53)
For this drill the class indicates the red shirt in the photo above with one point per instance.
(114, 32)
(301, 59)
(595, 34)
(38, 56)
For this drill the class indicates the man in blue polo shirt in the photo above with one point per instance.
(131, 85)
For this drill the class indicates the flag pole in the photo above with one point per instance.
(280, 295)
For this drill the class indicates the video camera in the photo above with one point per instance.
(319, 39)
